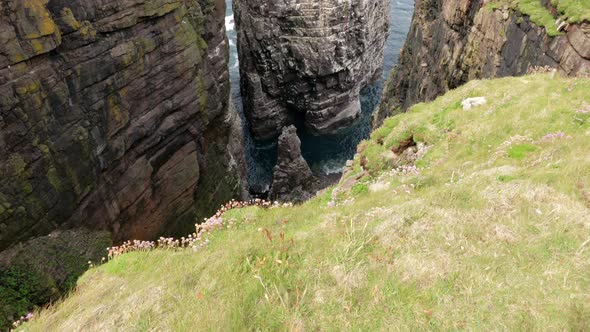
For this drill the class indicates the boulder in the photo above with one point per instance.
(470, 103)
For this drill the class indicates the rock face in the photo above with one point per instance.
(114, 115)
(453, 41)
(307, 59)
(293, 180)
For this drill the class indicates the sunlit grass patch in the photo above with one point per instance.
(572, 11)
(521, 151)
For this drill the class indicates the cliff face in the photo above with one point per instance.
(453, 41)
(114, 115)
(307, 59)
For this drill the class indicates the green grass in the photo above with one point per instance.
(539, 14)
(520, 151)
(492, 234)
(576, 11)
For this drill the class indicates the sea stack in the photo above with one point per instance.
(293, 180)
(308, 60)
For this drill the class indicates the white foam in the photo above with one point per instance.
(229, 23)
(332, 166)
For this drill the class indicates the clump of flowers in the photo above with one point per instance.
(195, 240)
(135, 245)
(555, 136)
(348, 201)
(406, 170)
(23, 319)
(407, 189)
(541, 70)
(584, 110)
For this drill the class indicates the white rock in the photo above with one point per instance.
(469, 103)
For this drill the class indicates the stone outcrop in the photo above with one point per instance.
(114, 115)
(293, 180)
(453, 41)
(307, 60)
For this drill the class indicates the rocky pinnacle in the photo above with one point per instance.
(293, 180)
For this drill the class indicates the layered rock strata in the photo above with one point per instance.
(453, 41)
(114, 115)
(308, 60)
(293, 180)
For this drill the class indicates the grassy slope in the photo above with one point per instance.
(492, 234)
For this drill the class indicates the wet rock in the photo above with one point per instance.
(260, 191)
(307, 59)
(293, 180)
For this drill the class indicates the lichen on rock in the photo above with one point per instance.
(114, 117)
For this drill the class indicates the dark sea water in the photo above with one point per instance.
(325, 154)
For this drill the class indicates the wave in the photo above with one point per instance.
(229, 23)
(332, 166)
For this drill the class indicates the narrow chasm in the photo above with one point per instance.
(326, 154)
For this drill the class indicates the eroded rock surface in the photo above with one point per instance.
(309, 59)
(293, 180)
(453, 41)
(114, 115)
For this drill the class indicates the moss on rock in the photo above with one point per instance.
(43, 269)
